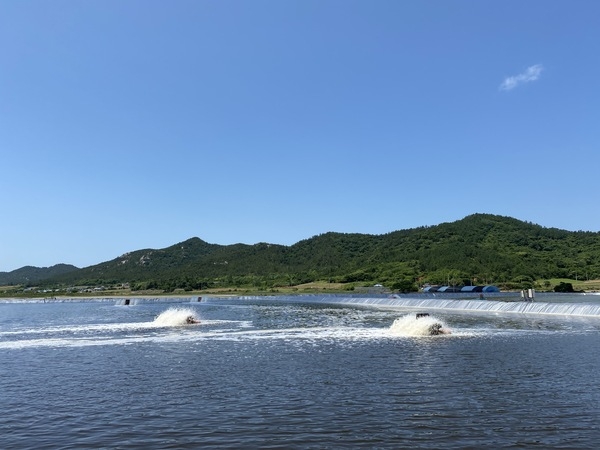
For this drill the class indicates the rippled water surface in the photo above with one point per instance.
(294, 373)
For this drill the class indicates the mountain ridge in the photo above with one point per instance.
(32, 274)
(477, 248)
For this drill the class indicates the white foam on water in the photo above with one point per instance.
(171, 326)
(409, 325)
(299, 334)
(85, 328)
(173, 317)
(170, 317)
(65, 342)
(139, 332)
(80, 335)
(197, 334)
(403, 327)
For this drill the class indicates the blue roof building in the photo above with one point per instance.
(486, 288)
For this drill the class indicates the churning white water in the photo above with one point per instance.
(173, 317)
(410, 325)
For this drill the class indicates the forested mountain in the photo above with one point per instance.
(480, 248)
(32, 275)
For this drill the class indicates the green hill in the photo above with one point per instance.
(31, 275)
(480, 248)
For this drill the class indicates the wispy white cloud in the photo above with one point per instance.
(531, 74)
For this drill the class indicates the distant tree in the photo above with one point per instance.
(564, 287)
(404, 286)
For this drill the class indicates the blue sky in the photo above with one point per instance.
(139, 124)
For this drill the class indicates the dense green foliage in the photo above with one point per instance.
(479, 249)
(564, 287)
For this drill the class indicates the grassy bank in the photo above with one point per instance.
(307, 288)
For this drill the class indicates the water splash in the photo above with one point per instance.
(175, 317)
(409, 325)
